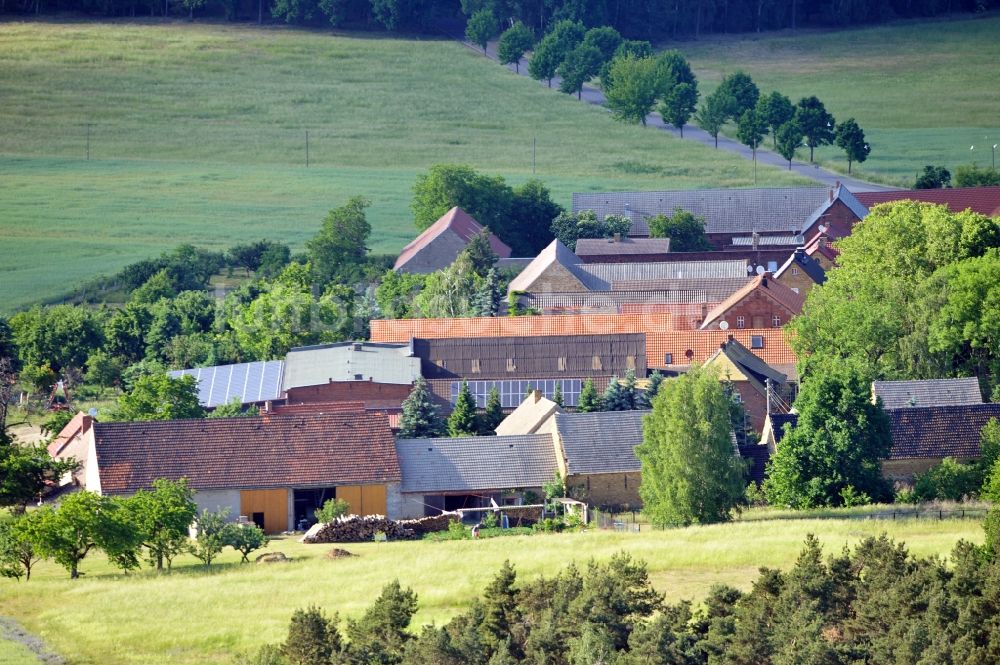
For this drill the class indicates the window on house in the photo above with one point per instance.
(596, 363)
(441, 363)
(756, 341)
(562, 363)
(668, 359)
(511, 367)
(772, 266)
(476, 368)
(737, 397)
(741, 322)
(775, 321)
(795, 271)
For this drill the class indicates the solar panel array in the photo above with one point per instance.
(250, 382)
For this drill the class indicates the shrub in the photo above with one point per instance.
(332, 509)
(312, 638)
(245, 538)
(950, 480)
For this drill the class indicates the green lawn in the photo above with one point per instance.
(197, 133)
(12, 653)
(924, 92)
(193, 617)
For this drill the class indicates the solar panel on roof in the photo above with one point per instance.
(250, 382)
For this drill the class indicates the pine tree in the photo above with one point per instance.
(629, 391)
(557, 396)
(488, 296)
(420, 416)
(500, 607)
(620, 396)
(590, 401)
(493, 414)
(463, 420)
(645, 399)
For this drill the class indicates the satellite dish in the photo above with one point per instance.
(92, 412)
(749, 269)
(761, 270)
(723, 325)
(822, 228)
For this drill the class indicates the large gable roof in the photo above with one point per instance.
(636, 276)
(939, 431)
(724, 210)
(658, 292)
(555, 255)
(807, 264)
(984, 200)
(529, 357)
(756, 369)
(249, 382)
(697, 346)
(458, 222)
(350, 361)
(471, 464)
(602, 442)
(304, 450)
(928, 392)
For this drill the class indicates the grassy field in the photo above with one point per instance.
(924, 92)
(194, 617)
(197, 133)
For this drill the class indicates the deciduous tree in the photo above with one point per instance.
(744, 92)
(630, 88)
(162, 516)
(685, 230)
(816, 123)
(713, 113)
(481, 27)
(679, 105)
(338, 250)
(160, 397)
(579, 66)
(788, 138)
(690, 473)
(775, 110)
(513, 43)
(851, 139)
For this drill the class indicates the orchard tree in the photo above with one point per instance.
(162, 516)
(788, 138)
(631, 87)
(420, 415)
(832, 457)
(213, 532)
(17, 551)
(690, 473)
(579, 66)
(482, 26)
(851, 139)
(816, 123)
(514, 42)
(246, 538)
(82, 522)
(714, 111)
(160, 397)
(26, 470)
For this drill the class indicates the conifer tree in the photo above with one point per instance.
(420, 416)
(500, 611)
(557, 396)
(644, 400)
(493, 415)
(463, 420)
(590, 401)
(488, 296)
(620, 395)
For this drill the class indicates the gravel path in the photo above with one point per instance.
(10, 630)
(692, 133)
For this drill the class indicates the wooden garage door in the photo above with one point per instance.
(274, 505)
(364, 499)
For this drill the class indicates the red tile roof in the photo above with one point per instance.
(984, 200)
(939, 431)
(302, 450)
(79, 424)
(459, 222)
(704, 343)
(402, 330)
(824, 245)
(762, 284)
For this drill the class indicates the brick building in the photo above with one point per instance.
(762, 303)
(756, 382)
(800, 272)
(441, 243)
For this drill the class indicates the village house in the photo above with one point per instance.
(762, 303)
(622, 250)
(982, 200)
(757, 384)
(441, 243)
(272, 470)
(764, 218)
(516, 365)
(927, 392)
(923, 436)
(801, 272)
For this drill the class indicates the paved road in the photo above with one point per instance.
(693, 133)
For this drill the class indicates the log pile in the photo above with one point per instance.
(363, 528)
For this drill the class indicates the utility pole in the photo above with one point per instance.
(534, 141)
(307, 148)
(88, 141)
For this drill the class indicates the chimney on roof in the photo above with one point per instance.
(731, 337)
(763, 279)
(537, 394)
(357, 346)
(800, 253)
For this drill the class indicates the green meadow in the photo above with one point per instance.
(192, 616)
(197, 133)
(924, 92)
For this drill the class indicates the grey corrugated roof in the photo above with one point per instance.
(928, 392)
(711, 291)
(601, 442)
(473, 464)
(350, 361)
(251, 382)
(624, 246)
(724, 210)
(602, 276)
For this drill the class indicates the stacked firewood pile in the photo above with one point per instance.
(365, 528)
